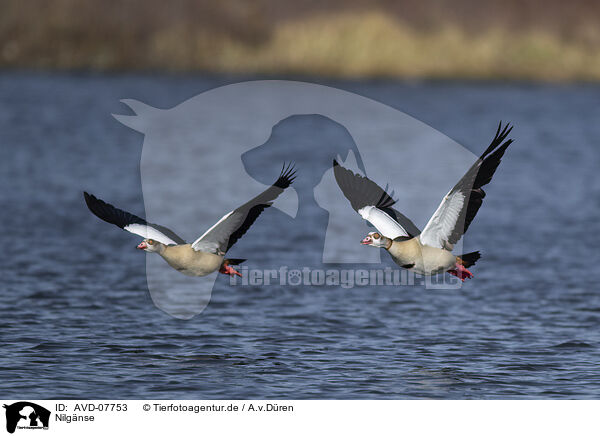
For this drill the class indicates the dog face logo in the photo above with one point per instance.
(24, 414)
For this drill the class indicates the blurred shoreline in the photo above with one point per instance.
(518, 40)
(224, 78)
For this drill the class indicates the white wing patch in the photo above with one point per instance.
(200, 245)
(440, 226)
(148, 232)
(386, 225)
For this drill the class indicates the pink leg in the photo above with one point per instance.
(461, 272)
(226, 269)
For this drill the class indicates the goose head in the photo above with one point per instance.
(376, 239)
(150, 245)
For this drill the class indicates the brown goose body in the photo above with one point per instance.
(422, 259)
(190, 262)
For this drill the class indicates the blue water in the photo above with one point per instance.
(78, 321)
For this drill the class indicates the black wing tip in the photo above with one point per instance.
(507, 128)
(339, 172)
(499, 139)
(360, 190)
(90, 200)
(337, 167)
(287, 175)
(95, 205)
(107, 212)
(502, 133)
(507, 125)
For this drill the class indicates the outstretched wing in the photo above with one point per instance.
(131, 223)
(458, 208)
(373, 203)
(226, 232)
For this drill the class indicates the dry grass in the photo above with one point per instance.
(248, 37)
(374, 45)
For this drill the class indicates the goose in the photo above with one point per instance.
(207, 253)
(428, 252)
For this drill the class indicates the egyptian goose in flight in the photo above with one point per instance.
(206, 254)
(428, 252)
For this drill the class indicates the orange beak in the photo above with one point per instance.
(142, 246)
